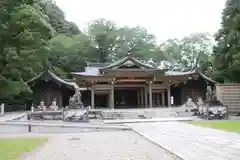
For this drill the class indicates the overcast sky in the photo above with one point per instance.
(163, 18)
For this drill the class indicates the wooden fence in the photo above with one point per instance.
(229, 95)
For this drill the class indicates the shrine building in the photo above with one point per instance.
(130, 83)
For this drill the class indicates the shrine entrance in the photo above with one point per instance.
(126, 97)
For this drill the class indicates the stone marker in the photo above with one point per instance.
(2, 109)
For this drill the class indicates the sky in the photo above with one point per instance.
(163, 18)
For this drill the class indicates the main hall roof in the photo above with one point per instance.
(131, 64)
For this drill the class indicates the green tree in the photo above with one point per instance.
(136, 41)
(70, 53)
(24, 31)
(190, 52)
(103, 33)
(227, 51)
(57, 18)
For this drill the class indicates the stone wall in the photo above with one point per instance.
(229, 95)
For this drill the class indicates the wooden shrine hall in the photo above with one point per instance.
(130, 83)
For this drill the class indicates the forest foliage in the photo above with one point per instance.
(34, 34)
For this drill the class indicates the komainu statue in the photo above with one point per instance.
(76, 111)
(75, 101)
(190, 105)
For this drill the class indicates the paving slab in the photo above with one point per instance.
(119, 145)
(191, 142)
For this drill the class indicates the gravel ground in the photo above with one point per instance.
(115, 145)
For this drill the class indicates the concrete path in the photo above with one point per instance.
(10, 116)
(190, 142)
(125, 145)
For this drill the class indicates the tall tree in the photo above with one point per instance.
(69, 53)
(189, 52)
(135, 40)
(227, 51)
(103, 33)
(57, 18)
(24, 31)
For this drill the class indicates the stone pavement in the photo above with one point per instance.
(191, 142)
(10, 116)
(118, 145)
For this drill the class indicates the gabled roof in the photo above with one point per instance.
(47, 75)
(128, 60)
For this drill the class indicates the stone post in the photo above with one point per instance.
(2, 109)
(32, 108)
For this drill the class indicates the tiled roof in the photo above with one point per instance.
(51, 75)
(94, 69)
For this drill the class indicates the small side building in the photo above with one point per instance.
(48, 87)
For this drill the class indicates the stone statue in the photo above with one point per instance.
(200, 101)
(41, 106)
(75, 101)
(76, 111)
(54, 105)
(190, 105)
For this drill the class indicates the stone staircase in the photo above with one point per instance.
(145, 113)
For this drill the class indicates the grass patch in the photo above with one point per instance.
(13, 148)
(233, 126)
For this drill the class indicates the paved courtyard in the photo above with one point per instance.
(190, 142)
(116, 145)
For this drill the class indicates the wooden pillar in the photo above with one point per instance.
(138, 99)
(150, 95)
(163, 98)
(92, 98)
(112, 95)
(169, 96)
(158, 99)
(145, 97)
(142, 97)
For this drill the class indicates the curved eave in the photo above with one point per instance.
(54, 77)
(189, 73)
(207, 78)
